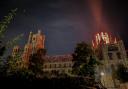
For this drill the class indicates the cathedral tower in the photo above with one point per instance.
(35, 42)
(16, 51)
(110, 52)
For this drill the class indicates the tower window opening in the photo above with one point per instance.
(34, 38)
(65, 65)
(54, 65)
(60, 65)
(110, 56)
(119, 55)
(50, 66)
(45, 66)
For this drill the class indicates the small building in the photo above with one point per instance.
(58, 63)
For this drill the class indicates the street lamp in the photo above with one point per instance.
(102, 74)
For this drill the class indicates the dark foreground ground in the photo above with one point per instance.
(54, 83)
(46, 83)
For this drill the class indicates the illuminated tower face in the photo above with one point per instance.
(102, 38)
(110, 52)
(35, 42)
(38, 41)
(30, 38)
(27, 52)
(16, 51)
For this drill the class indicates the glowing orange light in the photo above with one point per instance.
(115, 41)
(102, 37)
(93, 44)
(99, 38)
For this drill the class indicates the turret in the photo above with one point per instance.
(15, 51)
(38, 41)
(30, 38)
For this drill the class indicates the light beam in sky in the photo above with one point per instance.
(97, 13)
(103, 38)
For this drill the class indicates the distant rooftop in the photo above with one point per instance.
(58, 58)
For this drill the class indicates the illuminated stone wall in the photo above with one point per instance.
(59, 63)
(110, 53)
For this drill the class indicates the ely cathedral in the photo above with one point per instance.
(60, 63)
(108, 50)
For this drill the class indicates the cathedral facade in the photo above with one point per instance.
(109, 51)
(59, 63)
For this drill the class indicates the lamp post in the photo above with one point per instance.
(102, 74)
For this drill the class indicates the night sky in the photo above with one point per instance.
(66, 22)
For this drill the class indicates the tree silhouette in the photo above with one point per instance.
(3, 27)
(84, 64)
(36, 62)
(122, 73)
(81, 57)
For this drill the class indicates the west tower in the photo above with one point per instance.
(34, 43)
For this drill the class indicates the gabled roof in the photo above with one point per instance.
(58, 58)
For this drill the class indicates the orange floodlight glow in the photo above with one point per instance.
(102, 37)
(115, 41)
(93, 44)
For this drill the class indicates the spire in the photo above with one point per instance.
(39, 31)
(115, 41)
(30, 37)
(93, 45)
(118, 37)
(16, 50)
